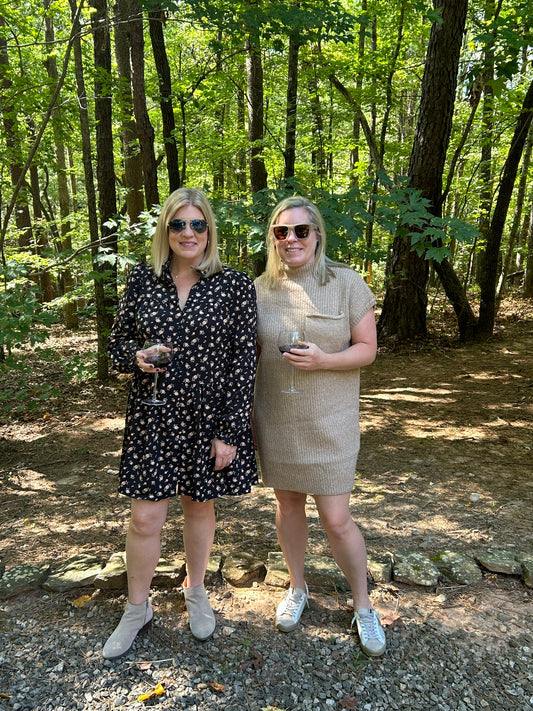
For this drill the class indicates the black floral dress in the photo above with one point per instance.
(208, 386)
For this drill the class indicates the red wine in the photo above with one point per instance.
(161, 359)
(287, 347)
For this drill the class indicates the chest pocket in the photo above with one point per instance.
(331, 332)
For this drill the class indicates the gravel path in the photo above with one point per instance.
(50, 655)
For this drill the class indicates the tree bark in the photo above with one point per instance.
(145, 130)
(156, 20)
(488, 276)
(528, 279)
(133, 170)
(67, 281)
(292, 107)
(405, 303)
(105, 171)
(254, 66)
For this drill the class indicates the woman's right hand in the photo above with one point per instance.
(142, 358)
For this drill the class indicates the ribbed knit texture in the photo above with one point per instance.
(309, 442)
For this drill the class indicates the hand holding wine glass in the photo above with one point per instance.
(159, 353)
(288, 339)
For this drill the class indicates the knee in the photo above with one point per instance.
(145, 524)
(291, 503)
(338, 527)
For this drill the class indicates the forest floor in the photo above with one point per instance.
(440, 421)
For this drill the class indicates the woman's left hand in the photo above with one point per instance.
(310, 358)
(223, 454)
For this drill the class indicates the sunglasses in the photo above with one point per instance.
(281, 232)
(199, 226)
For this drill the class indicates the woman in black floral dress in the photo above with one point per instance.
(198, 445)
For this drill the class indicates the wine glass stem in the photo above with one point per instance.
(293, 384)
(155, 387)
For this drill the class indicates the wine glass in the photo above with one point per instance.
(160, 354)
(288, 339)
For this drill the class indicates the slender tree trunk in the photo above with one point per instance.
(157, 18)
(292, 107)
(487, 304)
(105, 170)
(514, 232)
(145, 130)
(14, 140)
(528, 279)
(318, 156)
(254, 66)
(133, 170)
(67, 281)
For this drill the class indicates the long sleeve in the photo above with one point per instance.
(235, 413)
(125, 340)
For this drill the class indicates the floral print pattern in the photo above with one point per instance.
(208, 386)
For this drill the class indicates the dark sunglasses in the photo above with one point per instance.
(199, 226)
(281, 232)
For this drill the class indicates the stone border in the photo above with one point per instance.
(241, 569)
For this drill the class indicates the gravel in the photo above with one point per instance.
(50, 658)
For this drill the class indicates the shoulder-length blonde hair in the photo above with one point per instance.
(322, 264)
(181, 197)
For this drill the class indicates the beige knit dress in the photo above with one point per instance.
(308, 442)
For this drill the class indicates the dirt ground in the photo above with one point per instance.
(440, 422)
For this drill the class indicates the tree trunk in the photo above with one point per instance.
(13, 143)
(514, 232)
(405, 303)
(145, 130)
(67, 282)
(528, 279)
(105, 171)
(487, 305)
(156, 19)
(292, 107)
(133, 171)
(254, 66)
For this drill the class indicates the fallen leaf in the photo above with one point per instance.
(145, 665)
(257, 662)
(156, 691)
(216, 686)
(348, 702)
(46, 416)
(391, 621)
(80, 601)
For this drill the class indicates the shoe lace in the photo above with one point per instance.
(292, 603)
(369, 623)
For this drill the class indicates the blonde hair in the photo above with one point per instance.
(181, 197)
(322, 264)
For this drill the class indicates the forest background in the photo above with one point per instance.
(407, 122)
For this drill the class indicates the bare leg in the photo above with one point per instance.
(347, 544)
(198, 536)
(291, 524)
(143, 546)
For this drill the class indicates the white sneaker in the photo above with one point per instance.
(290, 608)
(370, 631)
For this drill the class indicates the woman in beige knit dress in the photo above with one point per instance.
(308, 441)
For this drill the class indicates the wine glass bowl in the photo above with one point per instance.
(159, 353)
(288, 339)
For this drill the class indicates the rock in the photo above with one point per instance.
(499, 562)
(458, 567)
(22, 578)
(526, 561)
(212, 574)
(2, 567)
(380, 567)
(75, 572)
(113, 576)
(413, 568)
(169, 573)
(241, 568)
(322, 570)
(277, 573)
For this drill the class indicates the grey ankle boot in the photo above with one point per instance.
(136, 618)
(201, 617)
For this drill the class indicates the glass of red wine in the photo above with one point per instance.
(288, 339)
(159, 353)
